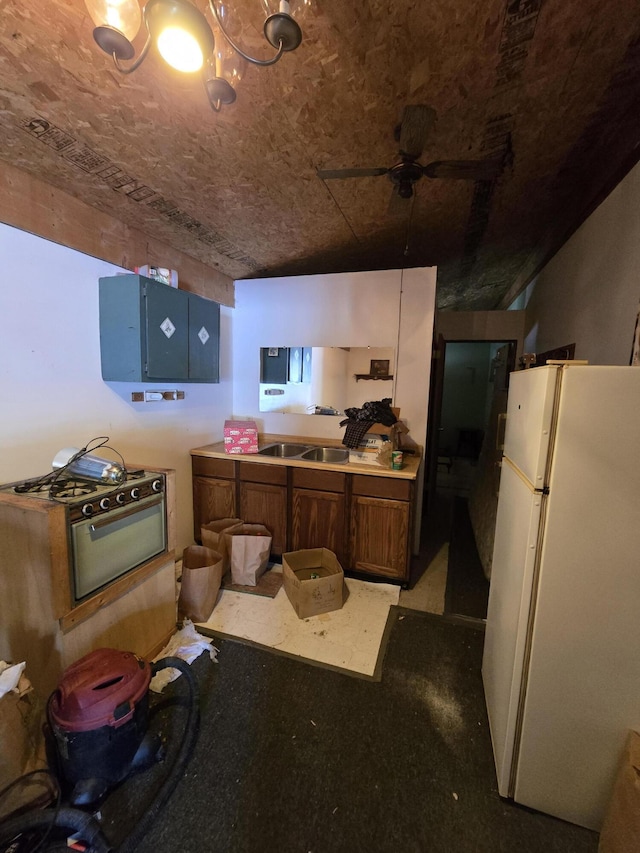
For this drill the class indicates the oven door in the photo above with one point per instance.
(112, 544)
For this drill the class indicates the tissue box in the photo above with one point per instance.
(166, 276)
(367, 449)
(240, 437)
(313, 580)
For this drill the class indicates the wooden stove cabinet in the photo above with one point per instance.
(39, 622)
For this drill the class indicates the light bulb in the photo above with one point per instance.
(180, 49)
(123, 15)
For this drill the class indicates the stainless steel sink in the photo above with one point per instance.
(284, 450)
(335, 455)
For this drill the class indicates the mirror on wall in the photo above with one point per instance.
(324, 380)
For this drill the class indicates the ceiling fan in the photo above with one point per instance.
(417, 122)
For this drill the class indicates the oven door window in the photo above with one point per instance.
(109, 546)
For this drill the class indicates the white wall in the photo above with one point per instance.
(589, 292)
(482, 326)
(52, 393)
(385, 308)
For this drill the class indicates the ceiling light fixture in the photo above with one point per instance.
(187, 41)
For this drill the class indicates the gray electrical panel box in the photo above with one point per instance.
(150, 332)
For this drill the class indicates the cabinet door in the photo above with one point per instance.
(264, 503)
(380, 536)
(150, 332)
(274, 365)
(295, 365)
(212, 498)
(204, 339)
(307, 357)
(167, 323)
(318, 521)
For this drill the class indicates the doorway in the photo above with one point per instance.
(475, 373)
(470, 381)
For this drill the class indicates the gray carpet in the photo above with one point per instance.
(291, 757)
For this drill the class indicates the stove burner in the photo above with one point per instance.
(71, 489)
(85, 497)
(41, 484)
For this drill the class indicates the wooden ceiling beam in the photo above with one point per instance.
(39, 208)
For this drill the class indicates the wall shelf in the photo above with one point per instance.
(360, 376)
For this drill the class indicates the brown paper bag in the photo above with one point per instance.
(212, 535)
(201, 578)
(249, 548)
(22, 749)
(621, 829)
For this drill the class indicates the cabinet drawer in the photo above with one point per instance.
(205, 466)
(326, 481)
(382, 487)
(256, 473)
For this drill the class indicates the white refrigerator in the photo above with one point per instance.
(561, 663)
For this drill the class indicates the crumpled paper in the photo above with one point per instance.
(10, 676)
(186, 644)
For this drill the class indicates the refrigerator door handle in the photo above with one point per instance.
(500, 430)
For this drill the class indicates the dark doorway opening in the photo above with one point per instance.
(469, 382)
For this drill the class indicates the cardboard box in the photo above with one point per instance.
(368, 449)
(372, 442)
(365, 456)
(313, 580)
(240, 437)
(620, 831)
(381, 429)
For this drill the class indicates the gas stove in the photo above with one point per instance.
(89, 498)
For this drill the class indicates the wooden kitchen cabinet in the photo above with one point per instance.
(366, 520)
(263, 500)
(214, 491)
(380, 526)
(318, 513)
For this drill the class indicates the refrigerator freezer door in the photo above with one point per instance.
(583, 691)
(530, 410)
(508, 616)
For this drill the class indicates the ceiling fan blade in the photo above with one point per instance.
(465, 170)
(417, 121)
(329, 174)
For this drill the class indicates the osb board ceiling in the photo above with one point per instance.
(556, 80)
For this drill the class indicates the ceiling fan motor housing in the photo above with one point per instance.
(404, 175)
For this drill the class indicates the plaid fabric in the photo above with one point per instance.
(355, 432)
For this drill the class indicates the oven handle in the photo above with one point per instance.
(105, 522)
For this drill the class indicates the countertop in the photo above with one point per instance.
(409, 471)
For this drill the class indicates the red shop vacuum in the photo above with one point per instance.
(97, 722)
(98, 716)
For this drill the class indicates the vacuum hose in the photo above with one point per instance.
(189, 737)
(87, 828)
(80, 822)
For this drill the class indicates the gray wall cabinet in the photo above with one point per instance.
(150, 332)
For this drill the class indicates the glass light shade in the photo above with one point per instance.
(232, 23)
(225, 68)
(224, 63)
(122, 15)
(296, 8)
(228, 65)
(180, 49)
